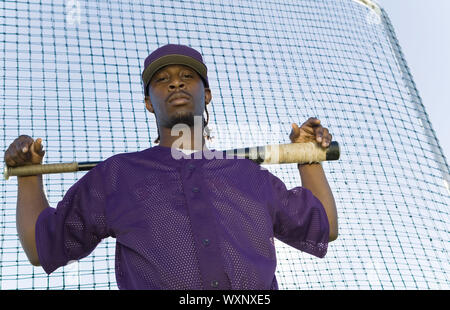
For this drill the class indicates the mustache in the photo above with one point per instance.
(177, 94)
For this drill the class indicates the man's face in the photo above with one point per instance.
(176, 95)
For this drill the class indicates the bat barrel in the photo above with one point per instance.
(302, 153)
(288, 153)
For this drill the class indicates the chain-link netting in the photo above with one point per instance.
(71, 75)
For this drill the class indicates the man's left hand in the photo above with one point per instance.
(310, 131)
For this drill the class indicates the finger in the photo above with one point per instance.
(295, 130)
(10, 162)
(23, 142)
(14, 158)
(16, 152)
(23, 151)
(7, 158)
(325, 137)
(318, 132)
(20, 154)
(310, 125)
(37, 146)
(23, 139)
(329, 139)
(312, 122)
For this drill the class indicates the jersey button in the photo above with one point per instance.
(205, 242)
(195, 189)
(214, 283)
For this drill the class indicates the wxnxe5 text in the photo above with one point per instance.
(246, 299)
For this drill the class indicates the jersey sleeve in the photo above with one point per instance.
(299, 218)
(73, 229)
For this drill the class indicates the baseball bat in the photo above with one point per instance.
(268, 154)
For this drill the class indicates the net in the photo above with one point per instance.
(70, 74)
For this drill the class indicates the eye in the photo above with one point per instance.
(188, 75)
(159, 79)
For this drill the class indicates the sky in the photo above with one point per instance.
(423, 30)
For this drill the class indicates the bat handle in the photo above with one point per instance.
(48, 168)
(39, 169)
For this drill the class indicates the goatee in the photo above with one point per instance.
(186, 118)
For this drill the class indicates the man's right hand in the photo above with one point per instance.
(24, 151)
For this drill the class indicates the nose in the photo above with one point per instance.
(176, 83)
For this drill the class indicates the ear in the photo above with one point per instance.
(208, 96)
(148, 104)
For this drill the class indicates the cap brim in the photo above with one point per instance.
(173, 59)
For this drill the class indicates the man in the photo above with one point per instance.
(181, 221)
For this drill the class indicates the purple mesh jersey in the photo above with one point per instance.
(189, 223)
